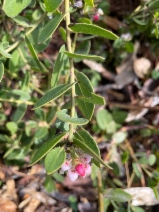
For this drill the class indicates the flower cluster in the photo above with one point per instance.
(78, 167)
(98, 14)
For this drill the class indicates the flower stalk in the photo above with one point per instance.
(72, 74)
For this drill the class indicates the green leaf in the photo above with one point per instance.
(52, 5)
(50, 28)
(93, 30)
(19, 113)
(63, 33)
(46, 147)
(153, 5)
(85, 141)
(136, 170)
(1, 71)
(49, 184)
(3, 52)
(84, 56)
(84, 88)
(54, 160)
(41, 132)
(34, 41)
(13, 7)
(119, 137)
(103, 119)
(89, 3)
(14, 62)
(84, 20)
(137, 209)
(58, 67)
(83, 48)
(52, 94)
(66, 118)
(151, 159)
(87, 149)
(117, 195)
(22, 21)
(33, 53)
(94, 98)
(140, 22)
(12, 127)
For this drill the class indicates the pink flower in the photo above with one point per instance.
(66, 166)
(80, 169)
(77, 167)
(86, 158)
(72, 174)
(88, 169)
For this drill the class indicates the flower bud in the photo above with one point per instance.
(80, 169)
(96, 17)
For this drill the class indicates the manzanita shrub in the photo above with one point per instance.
(47, 103)
(69, 104)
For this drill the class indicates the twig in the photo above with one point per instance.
(100, 193)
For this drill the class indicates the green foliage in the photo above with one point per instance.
(46, 147)
(52, 94)
(54, 160)
(66, 118)
(45, 100)
(1, 70)
(84, 88)
(51, 6)
(82, 56)
(50, 28)
(93, 29)
(117, 195)
(14, 7)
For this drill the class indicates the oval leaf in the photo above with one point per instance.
(1, 71)
(50, 28)
(84, 56)
(66, 118)
(13, 7)
(103, 119)
(52, 5)
(118, 195)
(153, 5)
(84, 88)
(52, 94)
(46, 147)
(54, 160)
(119, 137)
(93, 29)
(94, 98)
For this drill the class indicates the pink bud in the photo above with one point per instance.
(80, 169)
(66, 166)
(96, 17)
(72, 174)
(88, 169)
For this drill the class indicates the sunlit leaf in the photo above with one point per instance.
(92, 29)
(46, 147)
(54, 160)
